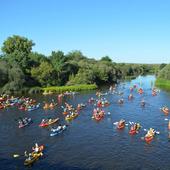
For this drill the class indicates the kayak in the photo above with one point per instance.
(120, 126)
(97, 117)
(74, 116)
(35, 156)
(2, 107)
(65, 113)
(40, 148)
(132, 132)
(165, 111)
(68, 118)
(154, 93)
(22, 108)
(23, 125)
(48, 123)
(58, 131)
(148, 139)
(33, 107)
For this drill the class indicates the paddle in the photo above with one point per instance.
(18, 155)
(157, 132)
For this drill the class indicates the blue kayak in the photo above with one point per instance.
(33, 107)
(58, 130)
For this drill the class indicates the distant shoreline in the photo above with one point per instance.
(164, 84)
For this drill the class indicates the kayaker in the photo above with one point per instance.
(29, 157)
(59, 127)
(25, 154)
(142, 102)
(43, 121)
(130, 96)
(36, 149)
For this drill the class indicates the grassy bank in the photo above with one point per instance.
(165, 84)
(58, 89)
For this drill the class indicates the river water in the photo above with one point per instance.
(87, 144)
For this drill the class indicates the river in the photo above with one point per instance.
(87, 144)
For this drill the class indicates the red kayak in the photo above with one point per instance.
(148, 139)
(48, 123)
(98, 117)
(132, 132)
(22, 108)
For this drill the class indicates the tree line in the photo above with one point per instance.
(22, 69)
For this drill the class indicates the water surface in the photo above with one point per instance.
(87, 144)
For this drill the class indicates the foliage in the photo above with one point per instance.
(165, 73)
(45, 74)
(17, 44)
(24, 70)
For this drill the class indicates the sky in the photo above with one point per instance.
(131, 31)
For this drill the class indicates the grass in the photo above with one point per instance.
(58, 89)
(164, 84)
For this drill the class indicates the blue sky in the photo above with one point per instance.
(136, 31)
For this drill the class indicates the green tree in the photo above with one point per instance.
(17, 44)
(44, 74)
(106, 58)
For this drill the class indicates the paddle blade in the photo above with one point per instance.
(115, 123)
(16, 155)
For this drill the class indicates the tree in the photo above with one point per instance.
(44, 74)
(16, 49)
(17, 44)
(16, 79)
(4, 67)
(75, 55)
(106, 58)
(58, 61)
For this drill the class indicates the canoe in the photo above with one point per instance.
(48, 123)
(35, 156)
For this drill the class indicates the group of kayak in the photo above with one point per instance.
(134, 129)
(70, 112)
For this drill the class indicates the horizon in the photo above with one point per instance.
(126, 31)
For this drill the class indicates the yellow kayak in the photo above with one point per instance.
(35, 156)
(74, 116)
(68, 118)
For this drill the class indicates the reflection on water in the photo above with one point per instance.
(87, 144)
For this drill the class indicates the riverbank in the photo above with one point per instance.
(165, 84)
(59, 89)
